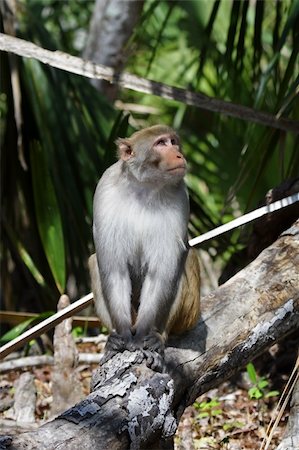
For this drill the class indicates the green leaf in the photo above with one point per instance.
(204, 405)
(262, 383)
(255, 393)
(214, 403)
(77, 332)
(196, 405)
(272, 394)
(16, 331)
(21, 327)
(28, 261)
(230, 425)
(216, 412)
(203, 415)
(251, 373)
(48, 215)
(24, 255)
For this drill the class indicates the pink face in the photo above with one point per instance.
(171, 160)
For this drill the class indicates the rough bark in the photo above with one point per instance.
(67, 389)
(25, 399)
(133, 407)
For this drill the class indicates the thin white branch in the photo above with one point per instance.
(43, 360)
(45, 325)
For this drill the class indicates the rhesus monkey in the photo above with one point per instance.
(145, 281)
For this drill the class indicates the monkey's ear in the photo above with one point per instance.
(124, 149)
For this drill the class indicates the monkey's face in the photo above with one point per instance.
(154, 155)
(167, 156)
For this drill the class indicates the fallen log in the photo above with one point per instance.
(132, 407)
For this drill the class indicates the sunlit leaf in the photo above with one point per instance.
(25, 256)
(21, 327)
(262, 383)
(16, 331)
(251, 373)
(272, 394)
(48, 215)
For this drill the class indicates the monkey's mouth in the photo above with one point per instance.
(177, 169)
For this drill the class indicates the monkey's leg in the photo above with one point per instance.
(176, 310)
(155, 303)
(119, 340)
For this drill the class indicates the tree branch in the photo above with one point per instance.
(133, 407)
(88, 69)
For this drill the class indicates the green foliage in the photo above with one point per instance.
(216, 63)
(21, 327)
(259, 389)
(16, 331)
(243, 52)
(78, 332)
(212, 411)
(47, 184)
(236, 424)
(208, 409)
(49, 220)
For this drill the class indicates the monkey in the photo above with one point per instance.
(145, 280)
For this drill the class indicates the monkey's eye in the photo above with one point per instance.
(161, 142)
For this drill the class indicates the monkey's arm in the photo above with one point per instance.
(98, 298)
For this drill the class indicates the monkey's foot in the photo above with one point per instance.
(154, 342)
(116, 343)
(152, 347)
(154, 360)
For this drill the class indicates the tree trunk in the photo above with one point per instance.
(111, 26)
(132, 407)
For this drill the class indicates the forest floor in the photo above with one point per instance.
(223, 418)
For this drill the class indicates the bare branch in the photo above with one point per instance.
(88, 69)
